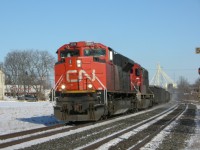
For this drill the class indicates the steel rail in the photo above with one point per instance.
(102, 141)
(26, 132)
(33, 137)
(152, 135)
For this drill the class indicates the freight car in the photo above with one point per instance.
(160, 95)
(92, 81)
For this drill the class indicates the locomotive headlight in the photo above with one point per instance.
(78, 63)
(89, 86)
(63, 87)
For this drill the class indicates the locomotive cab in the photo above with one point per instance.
(136, 78)
(140, 84)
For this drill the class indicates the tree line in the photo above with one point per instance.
(187, 91)
(30, 68)
(33, 68)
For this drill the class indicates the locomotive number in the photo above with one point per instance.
(81, 73)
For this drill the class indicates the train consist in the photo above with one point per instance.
(92, 81)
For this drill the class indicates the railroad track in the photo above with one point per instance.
(24, 136)
(77, 136)
(8, 140)
(163, 123)
(26, 132)
(147, 130)
(11, 139)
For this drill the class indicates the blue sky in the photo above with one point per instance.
(147, 31)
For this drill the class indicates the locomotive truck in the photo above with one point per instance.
(93, 82)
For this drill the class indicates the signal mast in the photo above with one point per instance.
(198, 52)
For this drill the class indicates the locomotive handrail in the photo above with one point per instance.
(135, 87)
(55, 87)
(105, 90)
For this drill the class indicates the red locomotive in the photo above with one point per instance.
(92, 81)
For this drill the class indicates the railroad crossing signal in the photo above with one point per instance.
(198, 50)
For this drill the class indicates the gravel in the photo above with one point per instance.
(175, 140)
(184, 128)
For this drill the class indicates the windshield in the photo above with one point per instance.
(95, 52)
(69, 53)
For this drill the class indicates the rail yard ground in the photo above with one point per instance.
(124, 132)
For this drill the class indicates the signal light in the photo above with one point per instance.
(199, 71)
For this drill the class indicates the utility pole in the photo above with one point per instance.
(198, 52)
(199, 85)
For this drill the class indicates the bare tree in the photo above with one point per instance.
(39, 69)
(197, 82)
(196, 89)
(29, 68)
(1, 65)
(12, 64)
(183, 89)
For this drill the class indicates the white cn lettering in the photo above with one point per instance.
(80, 75)
(70, 72)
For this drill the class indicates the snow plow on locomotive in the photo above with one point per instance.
(92, 81)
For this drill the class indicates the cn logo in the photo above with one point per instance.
(81, 73)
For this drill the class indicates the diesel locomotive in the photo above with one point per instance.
(93, 81)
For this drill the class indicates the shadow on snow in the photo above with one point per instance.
(45, 120)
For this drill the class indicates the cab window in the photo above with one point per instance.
(69, 53)
(95, 52)
(137, 72)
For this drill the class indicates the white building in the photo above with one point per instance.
(2, 85)
(20, 89)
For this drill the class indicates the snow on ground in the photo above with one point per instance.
(46, 107)
(18, 116)
(21, 115)
(194, 143)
